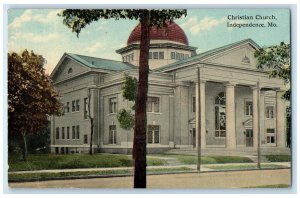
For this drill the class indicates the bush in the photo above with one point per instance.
(279, 158)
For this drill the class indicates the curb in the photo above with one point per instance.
(128, 175)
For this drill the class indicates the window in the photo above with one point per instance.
(70, 70)
(248, 108)
(123, 58)
(173, 55)
(67, 107)
(155, 55)
(77, 105)
(269, 111)
(63, 133)
(85, 100)
(153, 104)
(150, 55)
(161, 55)
(73, 105)
(220, 115)
(186, 56)
(68, 133)
(270, 136)
(112, 134)
(77, 132)
(57, 133)
(153, 134)
(113, 105)
(132, 57)
(193, 104)
(85, 139)
(73, 132)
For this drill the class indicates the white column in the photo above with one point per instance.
(280, 118)
(230, 117)
(203, 117)
(255, 116)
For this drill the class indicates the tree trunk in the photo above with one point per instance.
(92, 134)
(24, 152)
(139, 144)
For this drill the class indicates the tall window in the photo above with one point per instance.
(85, 139)
(153, 134)
(73, 132)
(153, 104)
(112, 134)
(113, 105)
(193, 104)
(270, 136)
(155, 55)
(85, 100)
(73, 106)
(161, 55)
(77, 105)
(77, 132)
(63, 133)
(173, 55)
(67, 107)
(57, 133)
(68, 132)
(150, 55)
(220, 115)
(248, 108)
(269, 111)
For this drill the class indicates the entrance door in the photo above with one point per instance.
(194, 137)
(249, 137)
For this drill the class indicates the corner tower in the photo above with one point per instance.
(167, 45)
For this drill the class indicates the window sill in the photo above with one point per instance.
(112, 114)
(155, 113)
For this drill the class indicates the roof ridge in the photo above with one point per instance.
(97, 57)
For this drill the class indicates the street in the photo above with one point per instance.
(230, 179)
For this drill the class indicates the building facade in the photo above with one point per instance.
(237, 101)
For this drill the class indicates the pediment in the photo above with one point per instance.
(248, 123)
(239, 56)
(67, 68)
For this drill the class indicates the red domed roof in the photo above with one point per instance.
(171, 32)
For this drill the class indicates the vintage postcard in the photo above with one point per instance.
(159, 99)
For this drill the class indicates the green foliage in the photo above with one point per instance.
(276, 58)
(77, 20)
(126, 119)
(129, 88)
(213, 159)
(279, 158)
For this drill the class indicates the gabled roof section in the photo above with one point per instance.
(206, 54)
(100, 63)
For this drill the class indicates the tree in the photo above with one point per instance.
(31, 96)
(79, 19)
(277, 60)
(91, 120)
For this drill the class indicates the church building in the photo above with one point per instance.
(238, 102)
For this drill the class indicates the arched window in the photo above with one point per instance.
(70, 70)
(220, 115)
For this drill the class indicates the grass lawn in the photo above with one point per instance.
(185, 159)
(53, 161)
(21, 176)
(278, 158)
(243, 166)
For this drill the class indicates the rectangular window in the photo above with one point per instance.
(269, 111)
(123, 59)
(112, 134)
(161, 55)
(73, 132)
(248, 108)
(186, 56)
(85, 139)
(68, 133)
(73, 105)
(77, 105)
(63, 133)
(67, 107)
(270, 136)
(57, 133)
(132, 57)
(153, 104)
(150, 55)
(173, 55)
(194, 104)
(85, 100)
(153, 134)
(77, 132)
(155, 55)
(113, 105)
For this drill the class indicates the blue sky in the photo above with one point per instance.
(42, 31)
